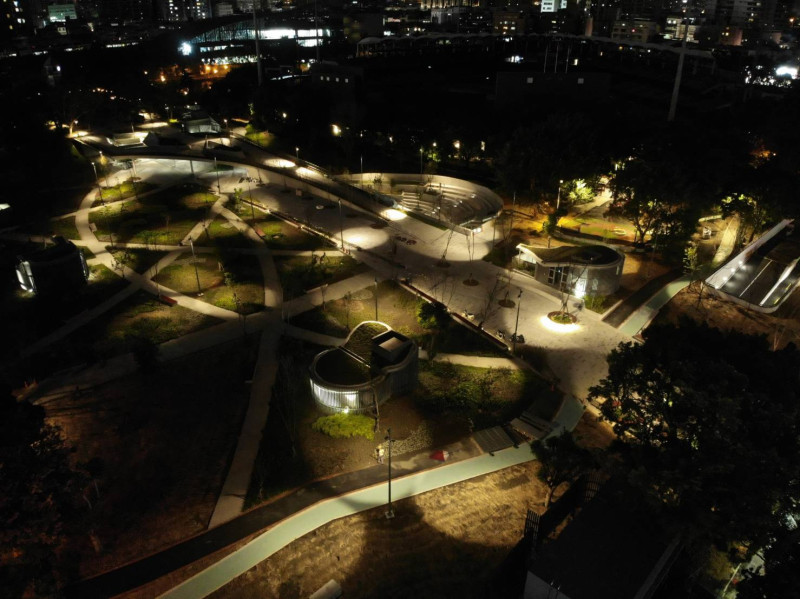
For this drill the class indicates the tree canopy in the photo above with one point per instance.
(708, 424)
(40, 498)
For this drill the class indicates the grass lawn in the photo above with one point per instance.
(136, 259)
(122, 191)
(221, 233)
(244, 280)
(142, 315)
(298, 274)
(165, 217)
(280, 235)
(397, 308)
(162, 440)
(64, 227)
(483, 397)
(262, 138)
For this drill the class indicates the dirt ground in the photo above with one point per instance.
(445, 543)
(780, 328)
(162, 442)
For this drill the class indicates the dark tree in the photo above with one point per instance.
(40, 499)
(561, 461)
(707, 423)
(780, 576)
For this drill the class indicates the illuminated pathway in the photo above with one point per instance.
(294, 527)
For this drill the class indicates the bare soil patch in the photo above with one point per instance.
(779, 328)
(163, 440)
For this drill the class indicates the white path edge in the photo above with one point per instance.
(280, 535)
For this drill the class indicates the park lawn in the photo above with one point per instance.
(64, 227)
(137, 259)
(483, 397)
(299, 274)
(280, 235)
(122, 191)
(146, 222)
(223, 233)
(262, 138)
(244, 280)
(142, 315)
(397, 307)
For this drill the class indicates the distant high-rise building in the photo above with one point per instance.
(13, 21)
(741, 13)
(185, 10)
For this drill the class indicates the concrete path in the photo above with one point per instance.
(301, 523)
(727, 243)
(477, 361)
(333, 291)
(638, 298)
(644, 315)
(234, 490)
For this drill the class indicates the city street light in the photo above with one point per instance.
(196, 275)
(516, 326)
(389, 442)
(96, 178)
(216, 169)
(341, 224)
(297, 152)
(420, 161)
(558, 197)
(376, 298)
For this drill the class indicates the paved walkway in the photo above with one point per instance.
(637, 299)
(301, 523)
(645, 314)
(477, 361)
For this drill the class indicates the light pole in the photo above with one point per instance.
(558, 197)
(252, 206)
(96, 178)
(196, 275)
(389, 441)
(216, 169)
(297, 153)
(341, 224)
(516, 326)
(362, 170)
(420, 162)
(133, 180)
(376, 298)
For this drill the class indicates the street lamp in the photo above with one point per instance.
(341, 224)
(362, 170)
(389, 442)
(100, 187)
(196, 275)
(516, 326)
(297, 152)
(376, 298)
(216, 169)
(420, 161)
(558, 197)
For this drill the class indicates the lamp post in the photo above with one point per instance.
(516, 326)
(297, 153)
(96, 178)
(558, 197)
(389, 441)
(216, 169)
(420, 162)
(362, 170)
(376, 298)
(252, 206)
(133, 180)
(196, 275)
(341, 224)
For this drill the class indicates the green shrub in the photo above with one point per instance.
(595, 303)
(345, 426)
